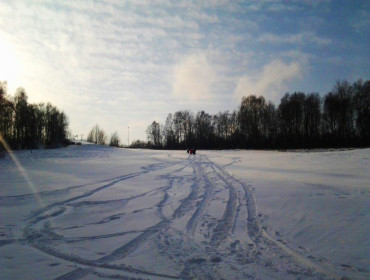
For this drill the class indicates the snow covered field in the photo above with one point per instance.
(92, 212)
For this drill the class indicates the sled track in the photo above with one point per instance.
(208, 192)
(76, 274)
(226, 224)
(146, 169)
(131, 246)
(264, 244)
(262, 239)
(112, 181)
(39, 241)
(188, 203)
(33, 240)
(211, 185)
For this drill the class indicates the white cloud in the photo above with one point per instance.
(302, 38)
(271, 81)
(204, 18)
(193, 77)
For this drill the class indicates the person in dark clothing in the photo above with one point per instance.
(191, 151)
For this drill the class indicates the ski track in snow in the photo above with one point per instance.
(201, 242)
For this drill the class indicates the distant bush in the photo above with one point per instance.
(139, 144)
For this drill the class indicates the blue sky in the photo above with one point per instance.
(127, 63)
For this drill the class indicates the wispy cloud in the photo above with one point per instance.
(298, 39)
(360, 22)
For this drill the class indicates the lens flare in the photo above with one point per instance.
(21, 170)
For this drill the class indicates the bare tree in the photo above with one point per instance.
(362, 110)
(251, 114)
(312, 119)
(154, 134)
(97, 136)
(114, 140)
(204, 130)
(169, 133)
(6, 113)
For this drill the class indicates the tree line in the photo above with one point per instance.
(29, 126)
(341, 118)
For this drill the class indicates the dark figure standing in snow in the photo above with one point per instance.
(191, 151)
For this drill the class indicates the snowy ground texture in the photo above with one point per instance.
(92, 212)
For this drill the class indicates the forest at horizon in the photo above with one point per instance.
(338, 119)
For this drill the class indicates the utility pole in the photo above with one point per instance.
(128, 136)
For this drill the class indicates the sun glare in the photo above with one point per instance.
(21, 170)
(9, 65)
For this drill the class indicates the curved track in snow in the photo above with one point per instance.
(202, 224)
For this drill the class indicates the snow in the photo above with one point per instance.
(318, 202)
(94, 212)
